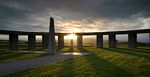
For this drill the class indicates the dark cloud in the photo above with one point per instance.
(34, 14)
(100, 8)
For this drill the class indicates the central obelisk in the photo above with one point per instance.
(51, 47)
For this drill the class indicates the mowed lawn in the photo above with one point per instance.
(106, 62)
(14, 56)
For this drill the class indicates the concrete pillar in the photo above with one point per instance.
(31, 41)
(99, 41)
(149, 39)
(60, 41)
(79, 41)
(112, 40)
(45, 39)
(13, 41)
(132, 40)
(51, 47)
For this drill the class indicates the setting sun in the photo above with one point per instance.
(70, 36)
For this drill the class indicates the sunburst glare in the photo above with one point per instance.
(71, 36)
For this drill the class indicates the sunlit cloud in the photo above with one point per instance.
(101, 25)
(74, 16)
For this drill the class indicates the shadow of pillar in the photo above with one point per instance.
(71, 49)
(59, 49)
(103, 68)
(128, 52)
(67, 69)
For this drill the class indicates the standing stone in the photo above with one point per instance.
(132, 40)
(31, 41)
(71, 44)
(79, 41)
(100, 41)
(60, 41)
(13, 41)
(51, 47)
(112, 40)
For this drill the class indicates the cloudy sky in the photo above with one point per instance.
(74, 15)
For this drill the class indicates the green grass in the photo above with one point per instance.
(106, 62)
(13, 56)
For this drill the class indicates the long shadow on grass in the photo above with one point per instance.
(67, 68)
(11, 56)
(145, 48)
(71, 49)
(3, 53)
(139, 50)
(65, 49)
(59, 49)
(129, 52)
(103, 68)
(16, 56)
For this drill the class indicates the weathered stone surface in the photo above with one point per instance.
(79, 41)
(132, 40)
(51, 47)
(45, 40)
(31, 41)
(13, 41)
(112, 40)
(99, 42)
(60, 41)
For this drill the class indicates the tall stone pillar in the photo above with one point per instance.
(112, 40)
(99, 41)
(79, 41)
(60, 41)
(31, 41)
(51, 47)
(13, 41)
(132, 40)
(45, 41)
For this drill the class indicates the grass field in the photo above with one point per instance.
(11, 56)
(106, 62)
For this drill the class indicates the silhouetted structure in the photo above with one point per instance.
(99, 41)
(45, 40)
(71, 43)
(48, 39)
(31, 41)
(51, 47)
(79, 41)
(60, 40)
(13, 41)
